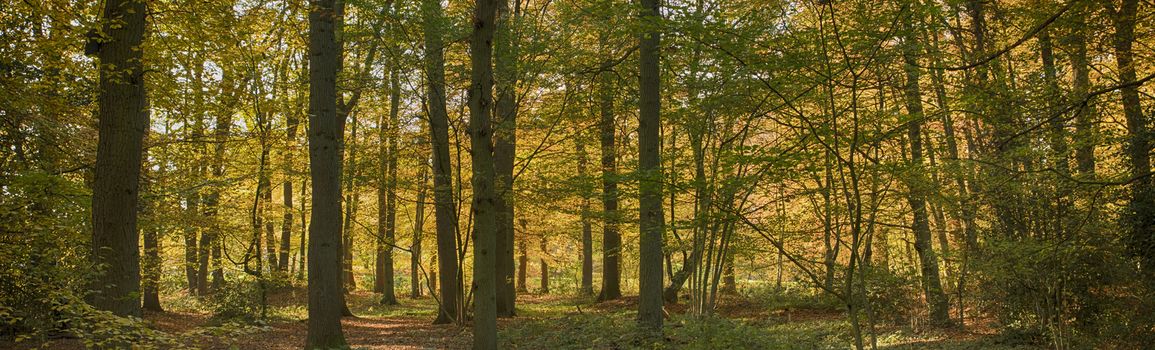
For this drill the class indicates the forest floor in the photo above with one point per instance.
(552, 322)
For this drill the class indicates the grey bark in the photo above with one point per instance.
(325, 303)
(444, 207)
(651, 220)
(484, 196)
(122, 122)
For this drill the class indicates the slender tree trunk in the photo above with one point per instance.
(1086, 117)
(522, 265)
(287, 193)
(151, 265)
(191, 250)
(544, 265)
(923, 240)
(325, 290)
(304, 231)
(352, 198)
(651, 220)
(418, 234)
(122, 122)
(484, 197)
(587, 281)
(382, 209)
(267, 199)
(389, 297)
(611, 239)
(444, 208)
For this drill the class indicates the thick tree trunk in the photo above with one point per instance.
(444, 208)
(651, 219)
(1141, 210)
(505, 150)
(325, 290)
(916, 197)
(484, 196)
(122, 122)
(611, 239)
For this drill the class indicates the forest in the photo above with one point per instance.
(577, 174)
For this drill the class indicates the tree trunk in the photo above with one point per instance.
(1141, 209)
(484, 196)
(505, 150)
(325, 290)
(304, 231)
(388, 296)
(1086, 117)
(544, 265)
(916, 197)
(191, 250)
(122, 122)
(267, 199)
(611, 239)
(151, 265)
(418, 234)
(444, 208)
(287, 186)
(587, 281)
(522, 265)
(352, 198)
(651, 219)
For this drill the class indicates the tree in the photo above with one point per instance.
(1141, 209)
(611, 239)
(928, 260)
(388, 211)
(445, 211)
(587, 279)
(325, 287)
(484, 197)
(123, 120)
(505, 149)
(650, 170)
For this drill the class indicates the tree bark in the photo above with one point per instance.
(352, 198)
(287, 186)
(484, 196)
(651, 219)
(418, 233)
(544, 265)
(151, 265)
(389, 297)
(505, 150)
(445, 211)
(1141, 209)
(916, 197)
(587, 281)
(611, 239)
(122, 122)
(1086, 117)
(325, 290)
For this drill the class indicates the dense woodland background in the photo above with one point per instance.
(729, 173)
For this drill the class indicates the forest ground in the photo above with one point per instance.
(554, 322)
